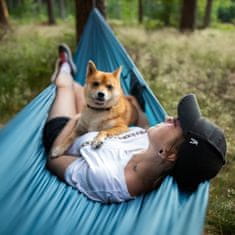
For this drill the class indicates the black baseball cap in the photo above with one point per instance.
(202, 154)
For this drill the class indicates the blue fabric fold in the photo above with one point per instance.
(33, 201)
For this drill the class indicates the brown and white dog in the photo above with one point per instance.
(107, 110)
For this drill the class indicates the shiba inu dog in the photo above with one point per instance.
(107, 110)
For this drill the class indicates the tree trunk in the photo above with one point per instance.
(83, 9)
(3, 14)
(62, 9)
(207, 16)
(140, 11)
(51, 17)
(188, 15)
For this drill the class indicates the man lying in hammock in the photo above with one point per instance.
(190, 148)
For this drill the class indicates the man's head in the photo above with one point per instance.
(190, 147)
(164, 140)
(202, 153)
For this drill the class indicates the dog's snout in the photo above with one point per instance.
(100, 95)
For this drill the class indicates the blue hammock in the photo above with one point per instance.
(34, 202)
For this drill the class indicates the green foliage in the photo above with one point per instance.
(226, 14)
(129, 10)
(223, 27)
(163, 10)
(27, 9)
(156, 13)
(28, 56)
(114, 9)
(123, 9)
(160, 13)
(33, 11)
(151, 24)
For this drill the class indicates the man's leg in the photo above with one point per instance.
(65, 105)
(79, 96)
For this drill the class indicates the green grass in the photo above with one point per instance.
(172, 63)
(28, 57)
(203, 63)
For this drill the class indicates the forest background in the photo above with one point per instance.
(179, 46)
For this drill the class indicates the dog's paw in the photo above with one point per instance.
(95, 144)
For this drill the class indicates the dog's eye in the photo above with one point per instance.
(95, 84)
(110, 87)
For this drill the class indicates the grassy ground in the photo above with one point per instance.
(28, 57)
(202, 63)
(173, 64)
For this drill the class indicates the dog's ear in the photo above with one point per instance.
(91, 68)
(117, 72)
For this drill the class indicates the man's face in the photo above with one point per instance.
(165, 133)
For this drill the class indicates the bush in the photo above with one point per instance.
(226, 14)
(151, 24)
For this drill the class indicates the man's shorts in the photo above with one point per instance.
(51, 130)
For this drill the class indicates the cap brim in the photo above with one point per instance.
(188, 112)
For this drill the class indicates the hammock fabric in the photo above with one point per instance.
(33, 201)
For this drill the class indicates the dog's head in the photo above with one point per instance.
(102, 89)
